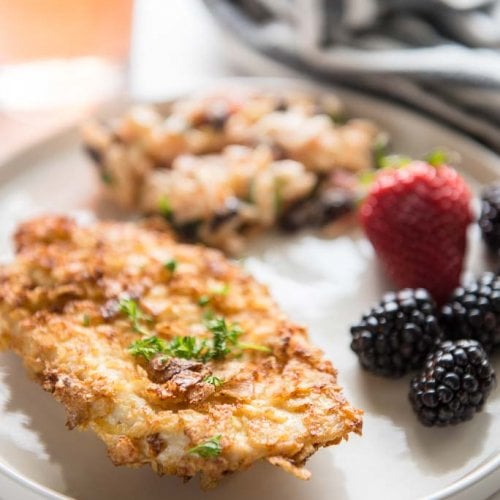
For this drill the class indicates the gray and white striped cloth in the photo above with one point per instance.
(440, 56)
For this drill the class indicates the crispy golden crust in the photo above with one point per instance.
(59, 312)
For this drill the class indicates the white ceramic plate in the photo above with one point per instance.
(325, 284)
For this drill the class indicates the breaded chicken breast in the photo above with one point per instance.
(172, 354)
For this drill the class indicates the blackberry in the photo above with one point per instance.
(489, 220)
(394, 337)
(454, 384)
(474, 312)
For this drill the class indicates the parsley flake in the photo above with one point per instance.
(221, 289)
(186, 347)
(337, 118)
(212, 379)
(203, 300)
(437, 157)
(278, 201)
(106, 178)
(225, 339)
(208, 315)
(148, 347)
(208, 449)
(380, 149)
(165, 207)
(223, 334)
(254, 347)
(171, 265)
(131, 309)
(367, 178)
(394, 161)
(178, 347)
(86, 320)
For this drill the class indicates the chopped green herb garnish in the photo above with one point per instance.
(437, 157)
(380, 149)
(221, 289)
(367, 177)
(278, 195)
(254, 347)
(208, 314)
(148, 347)
(208, 449)
(178, 347)
(186, 347)
(212, 379)
(86, 320)
(171, 265)
(224, 335)
(338, 118)
(224, 341)
(203, 300)
(130, 308)
(394, 161)
(165, 207)
(106, 178)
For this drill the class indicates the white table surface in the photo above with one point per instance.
(175, 45)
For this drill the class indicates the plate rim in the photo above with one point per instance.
(34, 486)
(473, 478)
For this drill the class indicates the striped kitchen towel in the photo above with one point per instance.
(440, 56)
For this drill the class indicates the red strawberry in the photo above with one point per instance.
(416, 218)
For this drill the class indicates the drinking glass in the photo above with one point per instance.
(59, 52)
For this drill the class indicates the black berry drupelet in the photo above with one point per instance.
(394, 337)
(474, 312)
(454, 384)
(489, 220)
